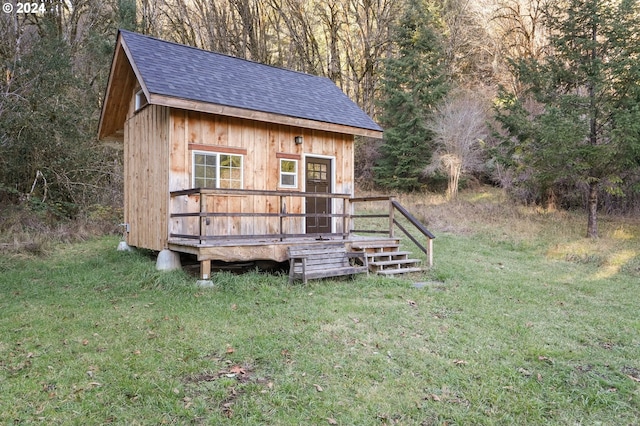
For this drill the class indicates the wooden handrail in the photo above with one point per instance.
(229, 191)
(203, 215)
(415, 222)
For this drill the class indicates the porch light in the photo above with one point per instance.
(298, 140)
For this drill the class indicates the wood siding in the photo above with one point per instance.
(159, 143)
(264, 144)
(146, 177)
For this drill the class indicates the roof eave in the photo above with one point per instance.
(229, 111)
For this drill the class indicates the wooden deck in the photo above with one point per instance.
(275, 249)
(201, 226)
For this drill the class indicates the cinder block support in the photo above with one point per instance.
(168, 261)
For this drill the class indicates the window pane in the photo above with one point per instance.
(210, 183)
(199, 159)
(211, 160)
(287, 180)
(288, 166)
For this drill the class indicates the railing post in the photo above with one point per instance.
(345, 218)
(203, 208)
(430, 252)
(283, 211)
(391, 212)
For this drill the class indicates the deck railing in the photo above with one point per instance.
(282, 215)
(346, 217)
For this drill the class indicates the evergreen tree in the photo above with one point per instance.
(413, 83)
(585, 131)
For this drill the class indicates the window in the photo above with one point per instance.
(141, 100)
(212, 170)
(316, 171)
(289, 173)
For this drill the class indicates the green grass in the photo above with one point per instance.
(523, 322)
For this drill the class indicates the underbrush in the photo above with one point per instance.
(34, 229)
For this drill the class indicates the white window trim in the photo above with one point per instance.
(294, 174)
(217, 154)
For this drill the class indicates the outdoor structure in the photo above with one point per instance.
(229, 159)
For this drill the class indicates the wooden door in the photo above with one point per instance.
(318, 179)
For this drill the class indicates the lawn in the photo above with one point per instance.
(521, 321)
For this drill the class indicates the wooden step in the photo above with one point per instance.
(398, 271)
(367, 246)
(395, 262)
(387, 253)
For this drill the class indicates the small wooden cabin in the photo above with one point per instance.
(227, 158)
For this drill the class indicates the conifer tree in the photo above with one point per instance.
(585, 132)
(413, 83)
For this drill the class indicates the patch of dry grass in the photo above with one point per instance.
(557, 234)
(24, 231)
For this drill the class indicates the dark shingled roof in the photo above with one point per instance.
(181, 71)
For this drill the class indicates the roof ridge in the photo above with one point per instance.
(175, 43)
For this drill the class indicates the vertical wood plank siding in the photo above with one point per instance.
(147, 176)
(160, 160)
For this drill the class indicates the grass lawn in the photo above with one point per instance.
(522, 321)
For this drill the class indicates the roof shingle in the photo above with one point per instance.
(185, 72)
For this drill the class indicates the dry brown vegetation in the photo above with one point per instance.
(23, 231)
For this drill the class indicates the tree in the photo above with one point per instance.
(586, 133)
(459, 128)
(413, 83)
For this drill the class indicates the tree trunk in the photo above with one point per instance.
(592, 209)
(454, 178)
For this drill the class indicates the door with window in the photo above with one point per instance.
(318, 179)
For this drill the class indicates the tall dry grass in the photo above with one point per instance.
(31, 232)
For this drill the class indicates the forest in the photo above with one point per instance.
(539, 97)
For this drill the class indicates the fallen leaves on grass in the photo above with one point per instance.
(237, 369)
(448, 397)
(632, 373)
(524, 372)
(545, 359)
(318, 387)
